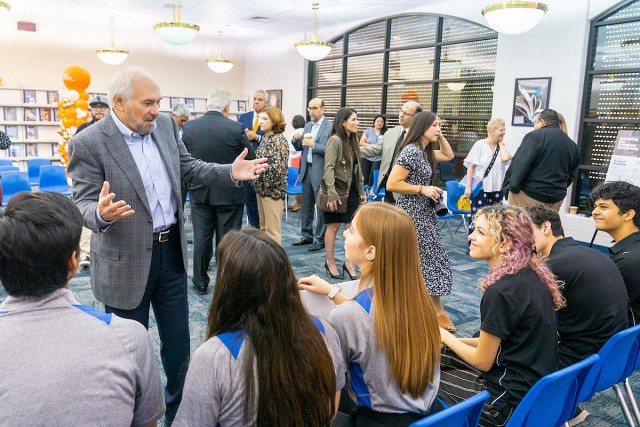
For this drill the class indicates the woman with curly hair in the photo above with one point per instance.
(518, 338)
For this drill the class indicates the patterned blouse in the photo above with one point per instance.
(273, 182)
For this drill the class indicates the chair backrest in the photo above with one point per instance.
(12, 183)
(463, 414)
(617, 361)
(33, 167)
(9, 169)
(447, 170)
(553, 400)
(54, 178)
(454, 191)
(376, 191)
(292, 176)
(6, 162)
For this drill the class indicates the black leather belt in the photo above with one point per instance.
(163, 236)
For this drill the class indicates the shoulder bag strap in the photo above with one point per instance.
(493, 160)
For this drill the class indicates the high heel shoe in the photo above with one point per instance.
(333, 276)
(345, 269)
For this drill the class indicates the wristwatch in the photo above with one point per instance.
(334, 292)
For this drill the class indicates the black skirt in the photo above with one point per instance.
(353, 202)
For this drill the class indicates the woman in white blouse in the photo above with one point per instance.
(478, 161)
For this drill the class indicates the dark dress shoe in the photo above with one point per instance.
(316, 247)
(303, 241)
(202, 290)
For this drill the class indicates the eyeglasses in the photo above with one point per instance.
(402, 112)
(100, 107)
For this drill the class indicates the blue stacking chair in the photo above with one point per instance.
(6, 162)
(12, 183)
(553, 400)
(379, 193)
(9, 169)
(617, 362)
(54, 178)
(292, 188)
(454, 191)
(33, 167)
(464, 414)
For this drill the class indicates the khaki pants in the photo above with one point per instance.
(521, 200)
(270, 212)
(85, 242)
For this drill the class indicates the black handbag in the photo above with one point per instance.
(342, 188)
(5, 142)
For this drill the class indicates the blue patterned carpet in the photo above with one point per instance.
(462, 305)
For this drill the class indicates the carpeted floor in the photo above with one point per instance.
(462, 305)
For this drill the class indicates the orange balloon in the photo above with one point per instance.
(84, 96)
(82, 104)
(76, 78)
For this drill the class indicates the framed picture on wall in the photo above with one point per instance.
(275, 98)
(190, 103)
(531, 97)
(242, 106)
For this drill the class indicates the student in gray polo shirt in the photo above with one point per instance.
(389, 333)
(62, 363)
(265, 361)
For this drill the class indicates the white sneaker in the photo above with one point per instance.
(580, 417)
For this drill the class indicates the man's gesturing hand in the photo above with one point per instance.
(110, 211)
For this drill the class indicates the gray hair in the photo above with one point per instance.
(181, 109)
(494, 124)
(263, 92)
(218, 98)
(121, 83)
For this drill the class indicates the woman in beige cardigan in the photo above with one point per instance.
(341, 162)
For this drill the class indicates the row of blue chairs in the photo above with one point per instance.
(33, 167)
(553, 400)
(51, 178)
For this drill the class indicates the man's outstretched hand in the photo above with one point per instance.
(110, 211)
(247, 170)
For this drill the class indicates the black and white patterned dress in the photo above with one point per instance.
(434, 261)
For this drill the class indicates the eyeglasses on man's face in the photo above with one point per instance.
(100, 107)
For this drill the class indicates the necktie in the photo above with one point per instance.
(255, 124)
(398, 142)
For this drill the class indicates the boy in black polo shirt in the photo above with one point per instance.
(617, 211)
(597, 303)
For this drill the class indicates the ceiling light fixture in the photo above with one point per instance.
(112, 56)
(219, 65)
(314, 50)
(4, 7)
(176, 32)
(515, 16)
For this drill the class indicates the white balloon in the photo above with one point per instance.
(74, 95)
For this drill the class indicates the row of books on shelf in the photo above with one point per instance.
(29, 114)
(30, 150)
(13, 132)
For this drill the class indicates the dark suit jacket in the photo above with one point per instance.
(121, 254)
(247, 120)
(317, 154)
(215, 138)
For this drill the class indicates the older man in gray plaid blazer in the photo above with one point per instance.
(139, 250)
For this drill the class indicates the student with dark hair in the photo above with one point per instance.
(265, 361)
(518, 339)
(63, 363)
(389, 331)
(412, 177)
(544, 165)
(372, 136)
(617, 211)
(597, 303)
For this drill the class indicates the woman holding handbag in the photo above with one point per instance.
(341, 190)
(486, 165)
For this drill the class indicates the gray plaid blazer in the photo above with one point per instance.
(121, 254)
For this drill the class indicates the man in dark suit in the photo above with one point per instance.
(139, 249)
(250, 121)
(215, 210)
(311, 173)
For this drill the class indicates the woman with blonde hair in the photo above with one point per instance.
(487, 163)
(389, 331)
(518, 337)
(265, 362)
(271, 186)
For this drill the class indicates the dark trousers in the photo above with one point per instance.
(166, 292)
(367, 171)
(207, 221)
(309, 196)
(251, 203)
